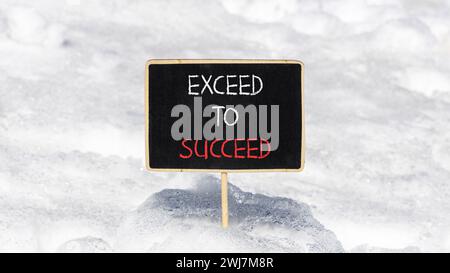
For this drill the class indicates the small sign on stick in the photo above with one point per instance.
(224, 116)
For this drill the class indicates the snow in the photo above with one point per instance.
(85, 244)
(377, 94)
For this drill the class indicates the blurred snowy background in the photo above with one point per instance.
(377, 92)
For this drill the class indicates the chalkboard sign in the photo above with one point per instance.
(224, 115)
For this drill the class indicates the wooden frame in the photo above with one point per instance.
(220, 61)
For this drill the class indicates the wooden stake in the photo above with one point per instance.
(224, 179)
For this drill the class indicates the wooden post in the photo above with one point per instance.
(224, 179)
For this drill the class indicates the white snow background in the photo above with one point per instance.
(377, 94)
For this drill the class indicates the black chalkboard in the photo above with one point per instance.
(224, 115)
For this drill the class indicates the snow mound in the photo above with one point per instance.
(28, 27)
(85, 244)
(189, 220)
(372, 249)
